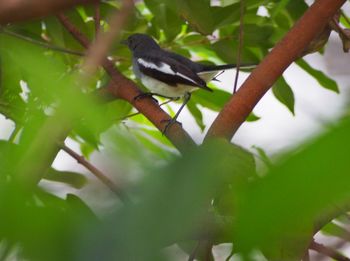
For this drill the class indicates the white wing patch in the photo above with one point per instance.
(165, 68)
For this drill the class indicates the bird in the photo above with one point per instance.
(168, 74)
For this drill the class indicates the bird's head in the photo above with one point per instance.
(137, 42)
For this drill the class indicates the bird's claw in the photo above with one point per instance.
(145, 94)
(169, 122)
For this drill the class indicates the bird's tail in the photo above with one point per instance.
(210, 68)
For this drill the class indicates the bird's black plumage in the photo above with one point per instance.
(167, 73)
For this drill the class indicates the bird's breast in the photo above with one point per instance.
(161, 88)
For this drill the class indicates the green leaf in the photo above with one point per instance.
(318, 171)
(165, 18)
(211, 100)
(279, 7)
(87, 149)
(72, 179)
(284, 93)
(256, 35)
(252, 117)
(297, 8)
(335, 230)
(319, 76)
(199, 174)
(263, 156)
(196, 113)
(227, 50)
(198, 14)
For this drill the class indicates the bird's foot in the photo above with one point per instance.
(144, 95)
(169, 123)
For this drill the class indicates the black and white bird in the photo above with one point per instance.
(168, 74)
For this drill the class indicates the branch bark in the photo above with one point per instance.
(22, 10)
(121, 87)
(271, 68)
(328, 252)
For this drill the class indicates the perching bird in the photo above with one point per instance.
(169, 74)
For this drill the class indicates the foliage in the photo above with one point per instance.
(210, 193)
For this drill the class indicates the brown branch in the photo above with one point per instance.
(98, 174)
(240, 45)
(121, 87)
(22, 10)
(340, 30)
(328, 252)
(99, 49)
(97, 18)
(271, 68)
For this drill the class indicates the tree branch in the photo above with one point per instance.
(328, 252)
(22, 10)
(271, 68)
(98, 174)
(121, 87)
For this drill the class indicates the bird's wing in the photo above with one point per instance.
(169, 71)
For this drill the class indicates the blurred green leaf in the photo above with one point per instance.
(198, 174)
(227, 51)
(335, 230)
(70, 178)
(284, 93)
(319, 76)
(268, 207)
(279, 7)
(165, 17)
(211, 100)
(297, 8)
(196, 113)
(256, 35)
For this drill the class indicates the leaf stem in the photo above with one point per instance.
(240, 44)
(40, 43)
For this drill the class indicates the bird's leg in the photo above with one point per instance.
(170, 122)
(216, 76)
(151, 94)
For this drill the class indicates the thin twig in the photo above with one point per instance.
(230, 255)
(97, 18)
(335, 26)
(40, 43)
(328, 252)
(97, 52)
(240, 44)
(73, 30)
(102, 177)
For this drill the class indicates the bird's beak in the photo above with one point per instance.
(124, 42)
